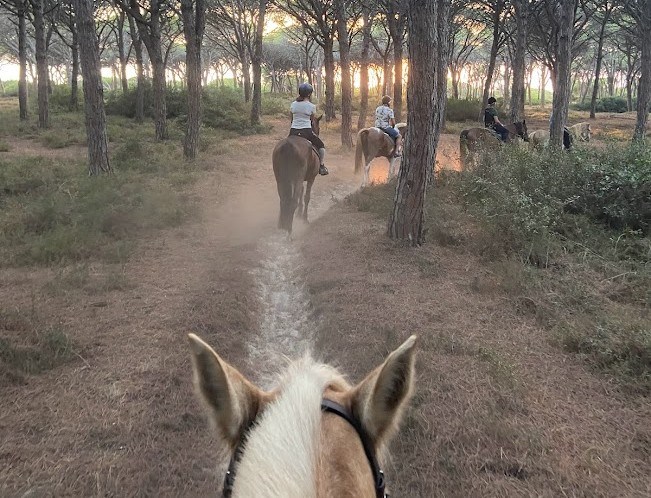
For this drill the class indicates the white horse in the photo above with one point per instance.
(313, 436)
(580, 131)
(539, 138)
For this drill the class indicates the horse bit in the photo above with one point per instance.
(327, 406)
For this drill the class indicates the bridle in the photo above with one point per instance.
(327, 406)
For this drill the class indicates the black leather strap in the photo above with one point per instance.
(330, 406)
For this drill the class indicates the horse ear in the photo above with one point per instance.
(380, 398)
(231, 400)
(319, 118)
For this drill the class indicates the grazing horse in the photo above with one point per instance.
(314, 435)
(580, 132)
(373, 142)
(539, 138)
(476, 140)
(295, 161)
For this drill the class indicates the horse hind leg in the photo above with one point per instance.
(300, 199)
(308, 192)
(392, 167)
(367, 171)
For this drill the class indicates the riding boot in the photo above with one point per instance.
(322, 169)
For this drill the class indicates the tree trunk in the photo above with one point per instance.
(597, 71)
(41, 64)
(363, 70)
(140, 71)
(407, 218)
(442, 60)
(22, 60)
(74, 83)
(387, 73)
(563, 73)
(246, 76)
(121, 54)
(150, 34)
(518, 89)
(193, 13)
(256, 61)
(98, 160)
(455, 83)
(543, 83)
(329, 62)
(346, 82)
(644, 87)
(395, 23)
(491, 62)
(159, 88)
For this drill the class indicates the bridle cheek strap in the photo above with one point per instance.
(330, 406)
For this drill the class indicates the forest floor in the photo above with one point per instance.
(498, 409)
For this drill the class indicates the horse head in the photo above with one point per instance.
(316, 125)
(308, 436)
(521, 129)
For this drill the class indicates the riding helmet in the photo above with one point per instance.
(492, 100)
(386, 100)
(305, 90)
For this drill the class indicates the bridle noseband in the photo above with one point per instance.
(327, 406)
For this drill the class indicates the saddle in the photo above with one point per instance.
(314, 149)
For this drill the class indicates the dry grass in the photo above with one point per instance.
(498, 409)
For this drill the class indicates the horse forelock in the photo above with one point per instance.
(282, 449)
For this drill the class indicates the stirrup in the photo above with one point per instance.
(323, 170)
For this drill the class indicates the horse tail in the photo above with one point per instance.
(359, 149)
(463, 148)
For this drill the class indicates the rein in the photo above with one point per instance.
(327, 406)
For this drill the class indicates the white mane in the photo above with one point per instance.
(280, 454)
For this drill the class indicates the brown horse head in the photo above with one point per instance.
(314, 434)
(519, 129)
(316, 125)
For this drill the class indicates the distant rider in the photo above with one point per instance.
(385, 121)
(492, 121)
(303, 112)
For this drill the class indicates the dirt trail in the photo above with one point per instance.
(122, 419)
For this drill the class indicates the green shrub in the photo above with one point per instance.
(527, 194)
(59, 98)
(51, 213)
(223, 108)
(462, 110)
(617, 188)
(606, 104)
(10, 88)
(276, 103)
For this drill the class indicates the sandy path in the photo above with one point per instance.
(122, 420)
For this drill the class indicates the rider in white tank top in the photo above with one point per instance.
(301, 112)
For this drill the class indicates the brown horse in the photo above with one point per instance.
(474, 141)
(372, 143)
(314, 435)
(295, 161)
